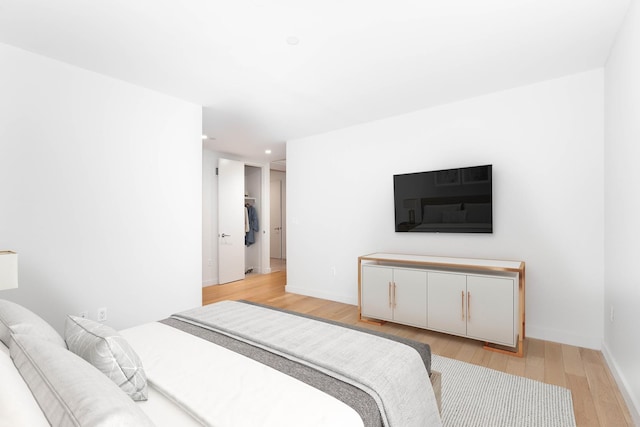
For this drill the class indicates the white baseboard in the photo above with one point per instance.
(206, 283)
(623, 385)
(345, 299)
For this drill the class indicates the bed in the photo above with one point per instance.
(232, 363)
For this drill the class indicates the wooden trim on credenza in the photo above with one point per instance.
(445, 262)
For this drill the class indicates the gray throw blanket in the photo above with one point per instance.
(393, 374)
(423, 349)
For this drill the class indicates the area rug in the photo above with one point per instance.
(479, 397)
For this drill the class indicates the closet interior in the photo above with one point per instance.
(253, 223)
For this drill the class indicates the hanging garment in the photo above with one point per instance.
(250, 237)
(246, 218)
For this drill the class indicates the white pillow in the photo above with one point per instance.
(108, 351)
(18, 320)
(69, 390)
(18, 407)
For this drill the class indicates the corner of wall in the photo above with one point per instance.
(632, 402)
(345, 299)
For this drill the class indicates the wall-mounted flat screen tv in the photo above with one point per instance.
(445, 201)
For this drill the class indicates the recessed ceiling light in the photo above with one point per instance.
(267, 151)
(293, 40)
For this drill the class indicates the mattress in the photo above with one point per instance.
(231, 389)
(393, 375)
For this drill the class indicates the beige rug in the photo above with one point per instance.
(477, 396)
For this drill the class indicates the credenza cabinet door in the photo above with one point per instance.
(446, 302)
(396, 294)
(491, 309)
(410, 297)
(376, 292)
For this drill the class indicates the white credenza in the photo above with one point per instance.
(475, 298)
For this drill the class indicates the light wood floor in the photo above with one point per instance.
(596, 398)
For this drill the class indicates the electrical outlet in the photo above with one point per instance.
(102, 314)
(612, 315)
(84, 314)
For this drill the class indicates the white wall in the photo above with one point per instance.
(545, 142)
(622, 226)
(100, 193)
(209, 218)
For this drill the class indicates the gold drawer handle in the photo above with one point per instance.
(468, 305)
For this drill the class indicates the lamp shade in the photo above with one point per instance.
(8, 270)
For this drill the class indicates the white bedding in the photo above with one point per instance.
(18, 407)
(230, 389)
(208, 385)
(163, 412)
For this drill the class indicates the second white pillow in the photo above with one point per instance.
(107, 350)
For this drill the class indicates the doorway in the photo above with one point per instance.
(255, 217)
(240, 251)
(277, 226)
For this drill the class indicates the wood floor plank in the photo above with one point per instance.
(499, 361)
(517, 366)
(583, 406)
(467, 351)
(619, 397)
(572, 361)
(554, 364)
(605, 402)
(482, 358)
(451, 348)
(534, 368)
(596, 398)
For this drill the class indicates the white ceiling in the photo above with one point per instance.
(356, 60)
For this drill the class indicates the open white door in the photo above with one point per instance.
(230, 221)
(276, 219)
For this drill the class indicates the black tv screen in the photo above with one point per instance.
(445, 201)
